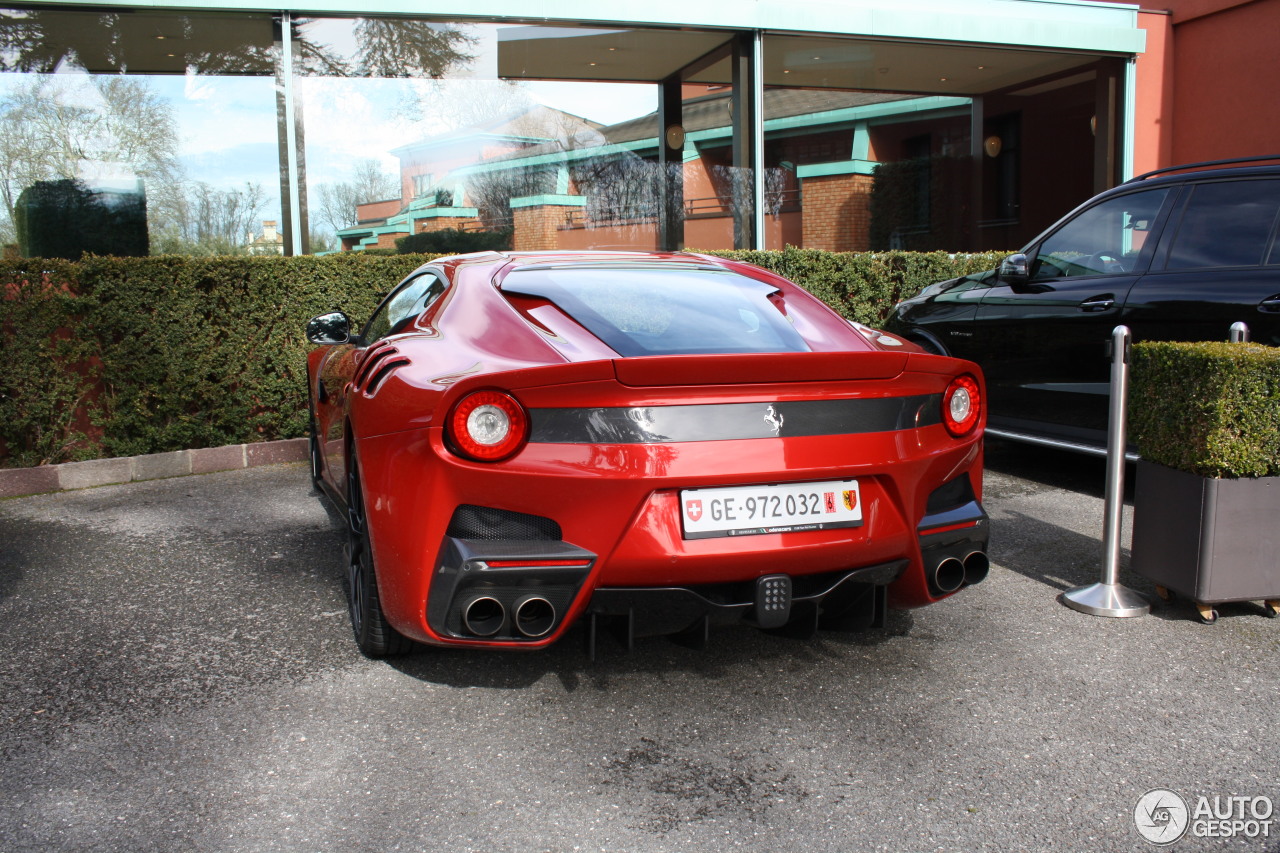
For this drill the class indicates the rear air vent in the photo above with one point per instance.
(487, 523)
(380, 361)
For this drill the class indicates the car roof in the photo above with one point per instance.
(527, 260)
(1209, 170)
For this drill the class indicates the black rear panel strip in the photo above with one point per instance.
(727, 421)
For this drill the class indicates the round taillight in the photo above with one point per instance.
(488, 425)
(962, 406)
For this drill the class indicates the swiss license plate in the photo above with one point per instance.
(783, 508)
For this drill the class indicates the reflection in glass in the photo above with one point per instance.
(457, 149)
(139, 105)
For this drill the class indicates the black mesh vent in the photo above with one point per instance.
(956, 493)
(487, 523)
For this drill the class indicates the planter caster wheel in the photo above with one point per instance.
(1165, 593)
(1271, 607)
(1208, 614)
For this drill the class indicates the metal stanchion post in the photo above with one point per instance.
(1239, 333)
(1109, 598)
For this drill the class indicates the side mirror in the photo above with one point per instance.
(1014, 270)
(332, 328)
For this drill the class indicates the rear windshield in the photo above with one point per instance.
(664, 309)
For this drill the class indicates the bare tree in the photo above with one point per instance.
(335, 204)
(41, 41)
(407, 48)
(213, 221)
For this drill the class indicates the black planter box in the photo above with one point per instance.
(1207, 539)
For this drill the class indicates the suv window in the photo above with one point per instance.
(1225, 224)
(1106, 239)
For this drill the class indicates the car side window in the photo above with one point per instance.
(403, 306)
(1225, 224)
(1106, 239)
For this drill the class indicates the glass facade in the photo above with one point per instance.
(133, 132)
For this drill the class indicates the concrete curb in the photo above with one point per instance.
(16, 482)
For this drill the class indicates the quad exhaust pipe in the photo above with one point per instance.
(484, 616)
(951, 573)
(533, 616)
(976, 567)
(948, 575)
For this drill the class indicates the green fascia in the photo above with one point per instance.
(559, 158)
(890, 110)
(550, 199)
(402, 221)
(1084, 25)
(938, 106)
(849, 167)
(418, 210)
(403, 227)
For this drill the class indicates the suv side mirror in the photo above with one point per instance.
(1014, 271)
(332, 328)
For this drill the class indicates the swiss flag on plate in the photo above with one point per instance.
(693, 509)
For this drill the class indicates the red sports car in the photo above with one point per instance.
(649, 442)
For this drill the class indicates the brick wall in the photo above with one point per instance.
(837, 213)
(444, 223)
(536, 227)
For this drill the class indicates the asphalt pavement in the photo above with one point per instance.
(177, 674)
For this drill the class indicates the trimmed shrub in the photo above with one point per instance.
(454, 241)
(167, 353)
(49, 373)
(1207, 408)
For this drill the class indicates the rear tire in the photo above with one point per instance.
(313, 452)
(374, 635)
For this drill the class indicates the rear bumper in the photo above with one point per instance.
(495, 581)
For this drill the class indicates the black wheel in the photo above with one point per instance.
(375, 637)
(313, 451)
(1207, 615)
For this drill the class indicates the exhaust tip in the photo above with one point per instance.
(949, 575)
(534, 616)
(976, 567)
(484, 616)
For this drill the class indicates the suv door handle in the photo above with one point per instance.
(1105, 302)
(1270, 305)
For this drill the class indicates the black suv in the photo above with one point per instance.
(1179, 254)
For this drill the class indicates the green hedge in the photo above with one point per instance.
(166, 353)
(1207, 408)
(123, 356)
(46, 372)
